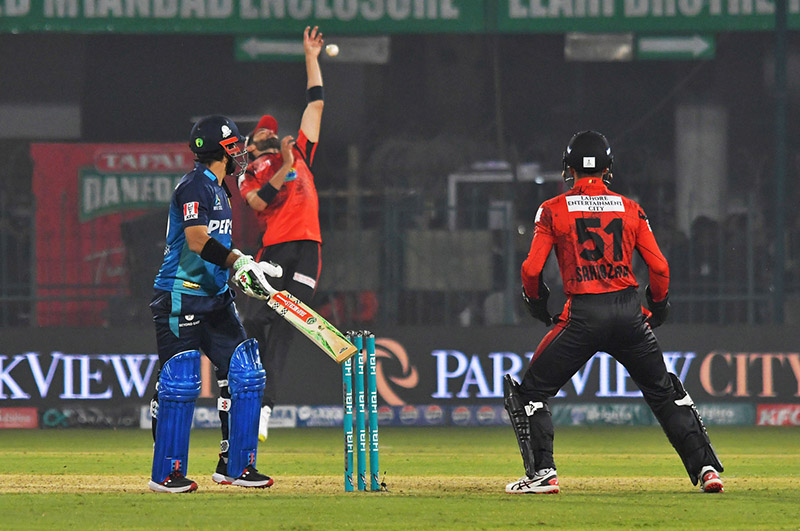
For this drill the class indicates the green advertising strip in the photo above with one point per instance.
(728, 414)
(108, 194)
(261, 17)
(639, 414)
(359, 17)
(556, 16)
(633, 414)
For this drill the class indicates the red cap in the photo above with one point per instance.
(267, 122)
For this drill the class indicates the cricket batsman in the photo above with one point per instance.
(193, 311)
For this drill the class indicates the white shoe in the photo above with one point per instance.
(544, 482)
(263, 423)
(710, 480)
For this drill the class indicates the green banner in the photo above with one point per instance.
(633, 414)
(639, 414)
(260, 17)
(642, 16)
(382, 17)
(728, 414)
(102, 194)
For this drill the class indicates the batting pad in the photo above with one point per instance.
(246, 380)
(178, 388)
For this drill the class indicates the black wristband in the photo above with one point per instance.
(215, 252)
(315, 93)
(267, 193)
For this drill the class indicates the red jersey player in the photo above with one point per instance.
(594, 232)
(279, 186)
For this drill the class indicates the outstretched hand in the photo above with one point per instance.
(312, 41)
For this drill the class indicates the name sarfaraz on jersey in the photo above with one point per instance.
(599, 272)
(221, 225)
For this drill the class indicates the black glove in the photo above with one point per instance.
(660, 310)
(538, 307)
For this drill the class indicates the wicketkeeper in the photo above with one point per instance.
(193, 311)
(594, 232)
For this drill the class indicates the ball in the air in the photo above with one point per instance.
(332, 50)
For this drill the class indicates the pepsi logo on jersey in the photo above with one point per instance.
(223, 226)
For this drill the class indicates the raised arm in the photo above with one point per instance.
(312, 115)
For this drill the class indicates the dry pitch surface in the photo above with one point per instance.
(75, 484)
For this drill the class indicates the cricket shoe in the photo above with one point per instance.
(711, 481)
(544, 482)
(175, 482)
(263, 423)
(250, 477)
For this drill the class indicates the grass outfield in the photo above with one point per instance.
(446, 478)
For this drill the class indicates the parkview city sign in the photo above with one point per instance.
(455, 377)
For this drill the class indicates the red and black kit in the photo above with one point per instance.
(292, 239)
(594, 233)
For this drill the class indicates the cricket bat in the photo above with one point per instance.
(312, 325)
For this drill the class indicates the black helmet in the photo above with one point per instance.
(588, 152)
(218, 133)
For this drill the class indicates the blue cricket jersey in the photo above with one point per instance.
(198, 199)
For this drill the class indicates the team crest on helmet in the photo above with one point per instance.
(226, 131)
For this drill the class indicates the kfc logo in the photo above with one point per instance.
(190, 210)
(778, 415)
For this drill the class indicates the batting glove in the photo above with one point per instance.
(250, 278)
(271, 269)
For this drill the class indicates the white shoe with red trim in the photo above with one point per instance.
(710, 480)
(544, 482)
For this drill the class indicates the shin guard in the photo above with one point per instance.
(519, 420)
(710, 455)
(246, 379)
(684, 428)
(178, 388)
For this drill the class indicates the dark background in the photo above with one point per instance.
(437, 101)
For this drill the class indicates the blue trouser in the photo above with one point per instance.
(190, 322)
